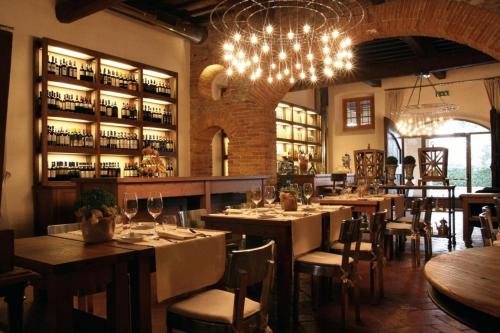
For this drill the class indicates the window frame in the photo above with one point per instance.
(358, 101)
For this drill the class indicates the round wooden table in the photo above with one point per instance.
(466, 284)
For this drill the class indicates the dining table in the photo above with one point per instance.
(183, 261)
(367, 205)
(294, 233)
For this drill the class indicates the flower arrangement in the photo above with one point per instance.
(97, 212)
(151, 164)
(288, 198)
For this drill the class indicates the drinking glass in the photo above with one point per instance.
(308, 191)
(130, 208)
(256, 195)
(155, 207)
(269, 194)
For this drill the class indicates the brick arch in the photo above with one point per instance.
(247, 112)
(207, 77)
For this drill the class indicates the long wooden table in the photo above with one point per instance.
(469, 278)
(360, 205)
(470, 220)
(281, 232)
(66, 266)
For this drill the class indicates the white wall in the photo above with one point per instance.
(105, 32)
(303, 98)
(470, 96)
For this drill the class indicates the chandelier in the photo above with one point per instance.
(285, 40)
(423, 118)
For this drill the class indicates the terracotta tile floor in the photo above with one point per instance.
(405, 308)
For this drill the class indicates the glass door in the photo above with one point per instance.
(480, 161)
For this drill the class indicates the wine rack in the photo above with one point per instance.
(77, 90)
(298, 130)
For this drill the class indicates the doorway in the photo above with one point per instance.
(220, 147)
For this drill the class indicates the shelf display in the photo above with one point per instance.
(94, 113)
(298, 136)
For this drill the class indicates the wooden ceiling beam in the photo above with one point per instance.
(420, 46)
(68, 11)
(377, 2)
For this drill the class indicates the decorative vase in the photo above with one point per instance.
(288, 201)
(391, 173)
(99, 232)
(408, 168)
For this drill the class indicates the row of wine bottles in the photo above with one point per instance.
(156, 115)
(161, 144)
(69, 103)
(116, 79)
(120, 140)
(69, 137)
(68, 68)
(108, 109)
(64, 171)
(160, 88)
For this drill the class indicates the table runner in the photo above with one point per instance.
(337, 215)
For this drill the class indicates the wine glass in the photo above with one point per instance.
(155, 207)
(130, 208)
(308, 191)
(256, 195)
(269, 194)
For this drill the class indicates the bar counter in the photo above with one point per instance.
(170, 187)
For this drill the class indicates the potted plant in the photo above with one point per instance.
(97, 212)
(408, 167)
(391, 164)
(288, 198)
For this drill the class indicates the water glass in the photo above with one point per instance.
(269, 194)
(155, 208)
(256, 195)
(130, 208)
(308, 191)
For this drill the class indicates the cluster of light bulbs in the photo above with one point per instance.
(423, 122)
(290, 56)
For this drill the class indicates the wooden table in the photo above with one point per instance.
(359, 205)
(281, 232)
(66, 265)
(470, 220)
(12, 285)
(467, 278)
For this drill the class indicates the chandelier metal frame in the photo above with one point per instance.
(287, 39)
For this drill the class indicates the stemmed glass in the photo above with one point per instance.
(269, 194)
(155, 208)
(308, 191)
(256, 195)
(130, 208)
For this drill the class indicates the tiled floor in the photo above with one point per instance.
(405, 308)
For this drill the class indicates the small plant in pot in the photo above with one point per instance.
(97, 212)
(408, 166)
(288, 198)
(391, 165)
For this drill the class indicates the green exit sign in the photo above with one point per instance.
(442, 93)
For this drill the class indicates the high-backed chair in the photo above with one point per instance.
(400, 230)
(372, 251)
(488, 232)
(229, 310)
(331, 265)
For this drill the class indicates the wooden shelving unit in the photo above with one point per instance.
(54, 199)
(298, 130)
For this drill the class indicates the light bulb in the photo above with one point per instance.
(279, 76)
(228, 47)
(241, 54)
(312, 70)
(292, 80)
(286, 71)
(253, 77)
(328, 60)
(296, 47)
(348, 54)
(338, 64)
(310, 56)
(314, 78)
(328, 71)
(258, 72)
(282, 55)
(270, 79)
(298, 65)
(325, 38)
(346, 42)
(254, 39)
(228, 57)
(229, 71)
(290, 34)
(265, 48)
(273, 66)
(255, 58)
(269, 29)
(335, 33)
(307, 28)
(302, 75)
(326, 50)
(237, 37)
(348, 65)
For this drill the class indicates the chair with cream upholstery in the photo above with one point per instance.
(372, 251)
(229, 310)
(331, 265)
(488, 232)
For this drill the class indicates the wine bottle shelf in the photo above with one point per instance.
(120, 152)
(70, 83)
(71, 116)
(113, 121)
(169, 154)
(158, 99)
(107, 90)
(71, 150)
(153, 125)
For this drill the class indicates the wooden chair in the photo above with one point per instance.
(192, 218)
(217, 310)
(84, 297)
(488, 233)
(401, 230)
(372, 251)
(331, 265)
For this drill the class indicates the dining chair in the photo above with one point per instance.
(400, 230)
(331, 265)
(85, 299)
(192, 218)
(372, 251)
(488, 232)
(229, 310)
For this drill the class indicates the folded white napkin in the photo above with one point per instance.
(176, 234)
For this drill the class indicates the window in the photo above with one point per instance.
(359, 113)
